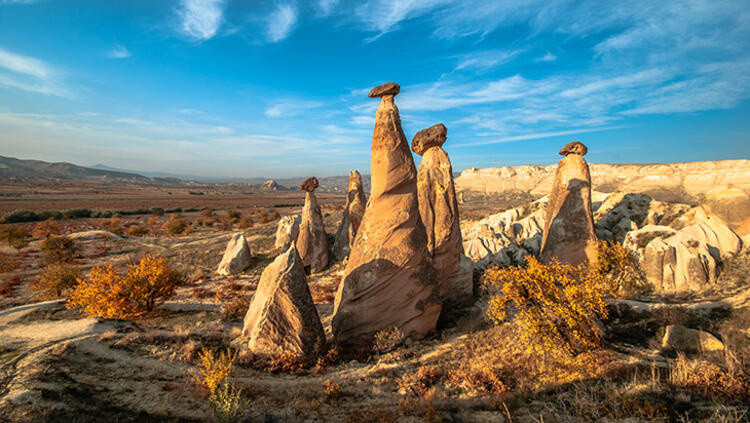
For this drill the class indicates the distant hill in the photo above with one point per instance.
(12, 169)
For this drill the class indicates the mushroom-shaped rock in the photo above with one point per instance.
(312, 241)
(389, 280)
(352, 218)
(236, 258)
(438, 209)
(282, 317)
(569, 233)
(287, 231)
(309, 185)
(434, 136)
(389, 88)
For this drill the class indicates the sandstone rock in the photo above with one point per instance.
(666, 182)
(729, 203)
(310, 184)
(723, 242)
(569, 222)
(236, 258)
(270, 185)
(352, 218)
(389, 88)
(287, 231)
(282, 317)
(682, 339)
(312, 241)
(389, 280)
(438, 209)
(673, 261)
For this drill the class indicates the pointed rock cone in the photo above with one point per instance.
(282, 317)
(569, 225)
(312, 241)
(353, 213)
(438, 209)
(237, 256)
(389, 280)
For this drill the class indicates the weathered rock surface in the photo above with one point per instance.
(710, 229)
(569, 222)
(438, 209)
(237, 256)
(270, 185)
(282, 317)
(682, 339)
(354, 211)
(673, 261)
(312, 241)
(389, 279)
(679, 182)
(621, 212)
(731, 204)
(287, 231)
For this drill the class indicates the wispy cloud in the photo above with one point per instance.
(288, 108)
(201, 19)
(486, 59)
(18, 1)
(281, 22)
(327, 6)
(118, 52)
(548, 57)
(29, 74)
(538, 135)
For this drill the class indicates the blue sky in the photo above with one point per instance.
(231, 88)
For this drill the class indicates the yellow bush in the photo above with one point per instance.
(59, 249)
(108, 293)
(214, 369)
(56, 279)
(709, 378)
(47, 227)
(15, 237)
(620, 271)
(557, 306)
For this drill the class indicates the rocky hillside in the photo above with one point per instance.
(683, 182)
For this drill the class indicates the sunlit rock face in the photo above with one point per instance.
(312, 241)
(237, 256)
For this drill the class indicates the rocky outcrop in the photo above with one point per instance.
(569, 222)
(438, 209)
(673, 261)
(354, 211)
(682, 339)
(237, 256)
(389, 280)
(619, 213)
(680, 182)
(287, 231)
(312, 241)
(270, 185)
(731, 204)
(722, 241)
(282, 317)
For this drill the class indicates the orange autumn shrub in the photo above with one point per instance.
(108, 293)
(44, 228)
(556, 306)
(620, 270)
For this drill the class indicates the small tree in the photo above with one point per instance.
(56, 279)
(557, 306)
(15, 237)
(45, 228)
(59, 249)
(620, 270)
(108, 293)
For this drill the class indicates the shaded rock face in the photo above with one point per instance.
(353, 214)
(438, 209)
(673, 261)
(569, 224)
(287, 231)
(731, 204)
(389, 279)
(237, 256)
(282, 317)
(312, 241)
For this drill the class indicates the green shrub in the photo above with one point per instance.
(177, 226)
(157, 211)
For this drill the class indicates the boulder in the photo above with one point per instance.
(673, 261)
(287, 231)
(389, 280)
(438, 209)
(682, 339)
(352, 218)
(282, 317)
(569, 222)
(312, 242)
(237, 256)
(712, 230)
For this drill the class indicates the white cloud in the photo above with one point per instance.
(280, 22)
(538, 135)
(30, 74)
(288, 108)
(118, 52)
(486, 59)
(201, 19)
(549, 57)
(18, 1)
(327, 6)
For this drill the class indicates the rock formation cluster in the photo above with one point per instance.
(438, 209)
(312, 241)
(569, 235)
(354, 211)
(282, 317)
(389, 280)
